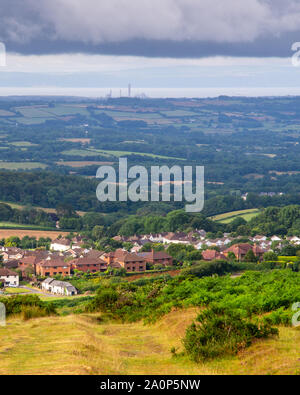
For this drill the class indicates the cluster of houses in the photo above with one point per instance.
(199, 239)
(67, 256)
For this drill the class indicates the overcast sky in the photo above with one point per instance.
(150, 42)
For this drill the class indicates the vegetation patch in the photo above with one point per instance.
(22, 165)
(218, 332)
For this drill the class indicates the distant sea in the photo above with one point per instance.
(151, 92)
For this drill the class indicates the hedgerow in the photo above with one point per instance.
(251, 293)
(28, 305)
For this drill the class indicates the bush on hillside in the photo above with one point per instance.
(18, 304)
(219, 267)
(218, 332)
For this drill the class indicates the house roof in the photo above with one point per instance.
(6, 272)
(94, 254)
(29, 260)
(125, 256)
(176, 236)
(212, 254)
(154, 255)
(63, 242)
(56, 283)
(48, 280)
(85, 261)
(243, 247)
(12, 264)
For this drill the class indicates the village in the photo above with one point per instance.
(66, 257)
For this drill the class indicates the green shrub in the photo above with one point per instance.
(279, 317)
(104, 300)
(29, 312)
(218, 332)
(17, 304)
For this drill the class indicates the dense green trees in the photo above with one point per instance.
(25, 216)
(277, 220)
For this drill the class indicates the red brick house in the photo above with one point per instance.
(240, 251)
(86, 264)
(52, 267)
(159, 257)
(210, 255)
(27, 261)
(130, 262)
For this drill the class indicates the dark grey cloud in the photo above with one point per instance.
(175, 28)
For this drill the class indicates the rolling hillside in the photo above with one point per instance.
(82, 344)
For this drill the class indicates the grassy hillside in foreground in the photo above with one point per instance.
(81, 344)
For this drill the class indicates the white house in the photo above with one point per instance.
(60, 245)
(275, 238)
(156, 238)
(200, 245)
(176, 238)
(59, 287)
(259, 238)
(10, 278)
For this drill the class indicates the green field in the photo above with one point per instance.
(13, 225)
(32, 121)
(22, 144)
(79, 152)
(125, 153)
(11, 291)
(4, 113)
(226, 218)
(47, 210)
(179, 113)
(108, 153)
(22, 165)
(131, 114)
(40, 114)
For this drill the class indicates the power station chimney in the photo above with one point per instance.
(129, 90)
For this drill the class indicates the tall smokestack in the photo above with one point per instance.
(129, 90)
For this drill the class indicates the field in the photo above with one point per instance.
(83, 164)
(4, 113)
(108, 153)
(22, 144)
(82, 344)
(11, 291)
(228, 217)
(22, 165)
(124, 153)
(13, 225)
(47, 210)
(5, 233)
(76, 140)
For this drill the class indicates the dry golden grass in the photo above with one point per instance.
(81, 344)
(5, 233)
